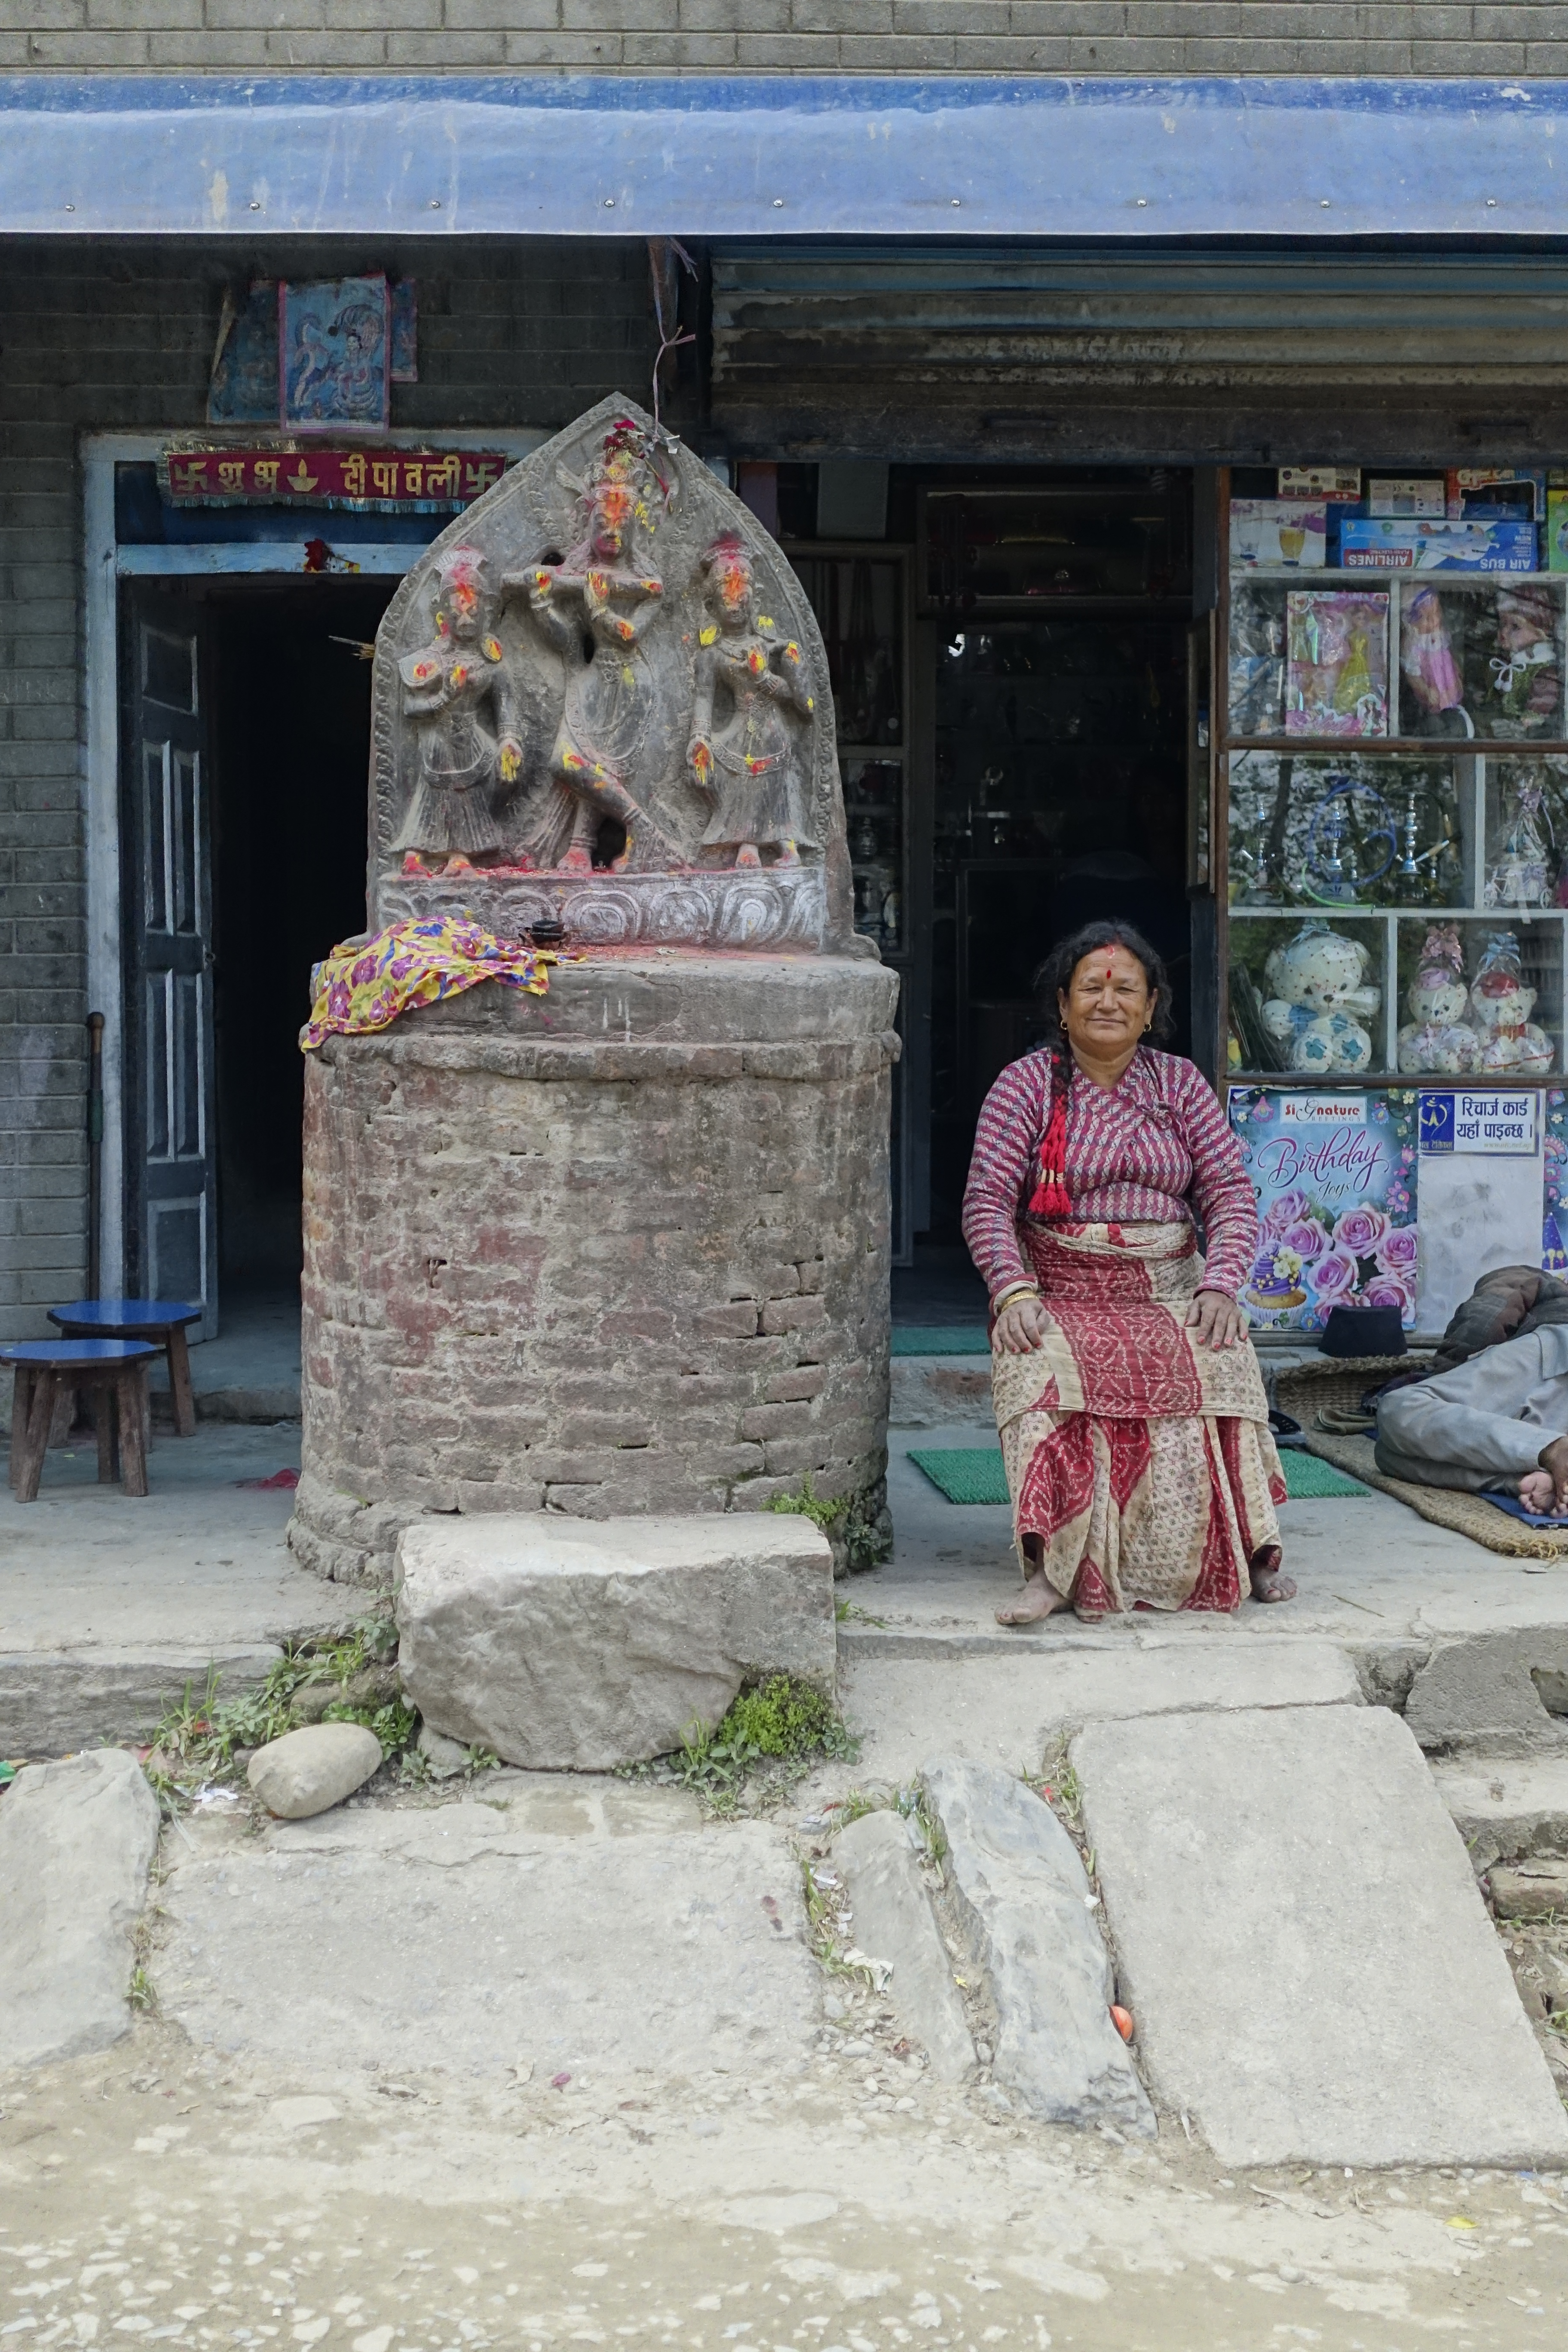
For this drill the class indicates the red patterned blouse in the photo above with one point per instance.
(1151, 1150)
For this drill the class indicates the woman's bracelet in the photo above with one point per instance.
(1012, 1294)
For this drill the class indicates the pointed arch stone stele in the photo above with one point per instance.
(601, 696)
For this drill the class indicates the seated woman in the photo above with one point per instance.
(1133, 1422)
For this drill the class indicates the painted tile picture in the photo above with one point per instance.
(242, 386)
(334, 345)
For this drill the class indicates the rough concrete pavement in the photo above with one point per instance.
(578, 1936)
(77, 1840)
(1299, 1935)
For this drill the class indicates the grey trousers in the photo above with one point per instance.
(1483, 1425)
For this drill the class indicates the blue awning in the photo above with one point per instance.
(748, 155)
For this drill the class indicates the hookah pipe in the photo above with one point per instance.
(1333, 815)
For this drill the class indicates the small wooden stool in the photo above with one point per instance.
(160, 1321)
(115, 1370)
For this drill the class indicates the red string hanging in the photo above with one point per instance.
(1051, 1198)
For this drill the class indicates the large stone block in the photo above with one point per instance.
(568, 1645)
(1301, 1940)
(76, 1841)
(1027, 1911)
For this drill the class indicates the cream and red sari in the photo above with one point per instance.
(1142, 1461)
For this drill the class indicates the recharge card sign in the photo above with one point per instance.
(1486, 1125)
(1335, 1179)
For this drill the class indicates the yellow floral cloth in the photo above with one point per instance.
(359, 988)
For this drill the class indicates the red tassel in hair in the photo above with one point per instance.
(1050, 1196)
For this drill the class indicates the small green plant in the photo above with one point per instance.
(820, 1511)
(139, 1993)
(857, 1522)
(848, 1612)
(196, 1738)
(770, 1734)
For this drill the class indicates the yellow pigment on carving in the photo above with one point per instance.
(709, 637)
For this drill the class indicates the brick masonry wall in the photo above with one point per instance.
(1080, 37)
(100, 340)
(549, 1271)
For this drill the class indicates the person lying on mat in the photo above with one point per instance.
(1496, 1423)
(1133, 1423)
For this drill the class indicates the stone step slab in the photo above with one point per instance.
(1011, 1709)
(894, 1922)
(458, 1937)
(1026, 1910)
(578, 1645)
(1301, 1938)
(76, 1841)
(1506, 1806)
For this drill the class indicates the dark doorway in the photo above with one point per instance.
(290, 756)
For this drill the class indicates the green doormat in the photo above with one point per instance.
(951, 1339)
(1307, 1478)
(965, 1474)
(975, 1475)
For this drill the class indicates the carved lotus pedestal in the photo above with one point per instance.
(621, 1249)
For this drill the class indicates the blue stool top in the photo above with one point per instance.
(127, 1314)
(76, 1352)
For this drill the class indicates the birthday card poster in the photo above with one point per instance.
(1335, 1179)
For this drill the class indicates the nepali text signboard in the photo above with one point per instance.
(369, 481)
(1335, 1179)
(1491, 1125)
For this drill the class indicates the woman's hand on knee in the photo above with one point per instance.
(1020, 1327)
(1217, 1320)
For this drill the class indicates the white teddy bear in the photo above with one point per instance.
(1439, 1038)
(1319, 997)
(1500, 1007)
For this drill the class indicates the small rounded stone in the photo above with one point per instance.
(310, 1770)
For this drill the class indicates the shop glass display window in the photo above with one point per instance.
(1397, 876)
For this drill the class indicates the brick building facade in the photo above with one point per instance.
(108, 334)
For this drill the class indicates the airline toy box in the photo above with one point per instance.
(1405, 543)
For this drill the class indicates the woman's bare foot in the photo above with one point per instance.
(1040, 1599)
(1267, 1584)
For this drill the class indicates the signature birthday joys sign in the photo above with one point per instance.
(1335, 1179)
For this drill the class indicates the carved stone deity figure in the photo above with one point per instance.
(593, 606)
(447, 687)
(751, 765)
(624, 721)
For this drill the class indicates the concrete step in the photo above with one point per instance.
(1301, 1938)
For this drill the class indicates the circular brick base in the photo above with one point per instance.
(620, 1249)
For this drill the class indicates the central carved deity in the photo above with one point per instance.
(602, 697)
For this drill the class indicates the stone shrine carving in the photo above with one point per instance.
(601, 696)
(752, 764)
(447, 686)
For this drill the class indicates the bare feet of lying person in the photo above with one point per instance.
(1039, 1600)
(1545, 1491)
(1267, 1584)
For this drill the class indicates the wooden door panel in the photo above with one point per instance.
(171, 1222)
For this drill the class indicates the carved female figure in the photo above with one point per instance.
(598, 592)
(448, 685)
(750, 766)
